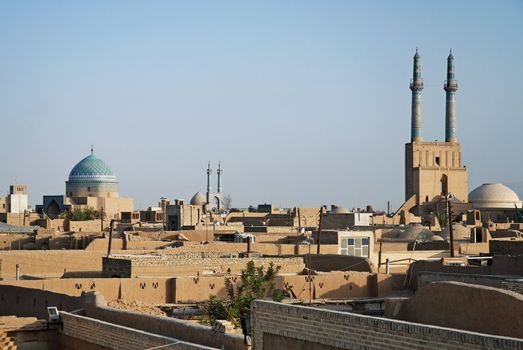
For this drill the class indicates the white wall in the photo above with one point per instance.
(18, 203)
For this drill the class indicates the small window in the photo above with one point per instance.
(437, 161)
(351, 241)
(365, 241)
(365, 251)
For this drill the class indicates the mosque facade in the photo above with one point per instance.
(91, 184)
(433, 169)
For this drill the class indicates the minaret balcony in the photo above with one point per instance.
(416, 85)
(450, 85)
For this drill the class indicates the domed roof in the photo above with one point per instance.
(339, 210)
(198, 199)
(91, 168)
(459, 232)
(436, 238)
(494, 195)
(415, 232)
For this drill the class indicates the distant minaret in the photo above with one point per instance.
(219, 173)
(416, 86)
(209, 172)
(451, 86)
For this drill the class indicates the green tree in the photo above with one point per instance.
(255, 283)
(83, 214)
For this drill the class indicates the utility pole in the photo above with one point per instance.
(102, 219)
(319, 231)
(451, 231)
(110, 238)
(309, 270)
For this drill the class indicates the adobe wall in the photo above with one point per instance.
(95, 307)
(85, 226)
(101, 244)
(146, 290)
(291, 326)
(333, 285)
(330, 285)
(22, 301)
(506, 247)
(145, 245)
(472, 307)
(400, 261)
(52, 263)
(48, 263)
(389, 285)
(113, 336)
(496, 281)
(186, 264)
(336, 262)
(501, 265)
(15, 241)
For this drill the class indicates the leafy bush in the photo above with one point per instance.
(82, 214)
(255, 283)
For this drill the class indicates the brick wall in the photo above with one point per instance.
(505, 247)
(471, 307)
(332, 329)
(501, 265)
(515, 285)
(168, 265)
(484, 280)
(113, 336)
(96, 307)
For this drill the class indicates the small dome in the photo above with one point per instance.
(91, 168)
(198, 199)
(460, 233)
(494, 195)
(339, 210)
(415, 232)
(436, 238)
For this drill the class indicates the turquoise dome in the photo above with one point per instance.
(91, 177)
(92, 168)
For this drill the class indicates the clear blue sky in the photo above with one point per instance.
(304, 102)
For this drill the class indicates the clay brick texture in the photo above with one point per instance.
(114, 336)
(350, 331)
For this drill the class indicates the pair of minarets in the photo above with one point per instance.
(219, 188)
(450, 86)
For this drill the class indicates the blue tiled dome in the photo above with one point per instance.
(92, 168)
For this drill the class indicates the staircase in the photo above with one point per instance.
(6, 342)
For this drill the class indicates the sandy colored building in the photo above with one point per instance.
(91, 184)
(434, 168)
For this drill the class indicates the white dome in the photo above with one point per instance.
(198, 199)
(494, 195)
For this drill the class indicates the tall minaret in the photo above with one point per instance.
(451, 86)
(209, 172)
(219, 173)
(416, 86)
